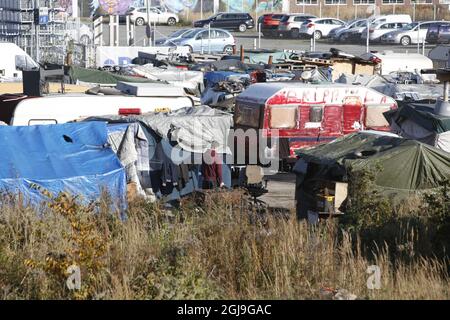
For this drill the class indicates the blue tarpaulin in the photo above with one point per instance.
(72, 157)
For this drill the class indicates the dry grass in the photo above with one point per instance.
(213, 248)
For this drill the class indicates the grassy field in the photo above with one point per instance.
(214, 247)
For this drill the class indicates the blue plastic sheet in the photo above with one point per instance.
(72, 157)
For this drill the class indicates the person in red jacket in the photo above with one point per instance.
(212, 170)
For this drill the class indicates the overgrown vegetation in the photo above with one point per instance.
(212, 248)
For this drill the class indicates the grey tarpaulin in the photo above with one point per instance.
(195, 129)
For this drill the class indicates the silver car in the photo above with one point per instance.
(377, 31)
(337, 34)
(415, 32)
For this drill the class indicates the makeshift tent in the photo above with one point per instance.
(417, 121)
(73, 158)
(403, 167)
(162, 152)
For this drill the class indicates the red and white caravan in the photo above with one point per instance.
(307, 114)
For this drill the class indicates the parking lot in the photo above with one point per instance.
(249, 38)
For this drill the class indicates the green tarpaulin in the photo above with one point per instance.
(401, 164)
(422, 114)
(101, 77)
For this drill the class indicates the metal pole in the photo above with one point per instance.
(446, 91)
(242, 6)
(154, 34)
(111, 31)
(117, 40)
(259, 36)
(423, 47)
(147, 8)
(127, 23)
(337, 5)
(314, 38)
(418, 39)
(201, 9)
(414, 11)
(209, 38)
(367, 32)
(320, 9)
(36, 30)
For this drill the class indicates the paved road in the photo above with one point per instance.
(247, 39)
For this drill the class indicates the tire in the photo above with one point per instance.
(206, 26)
(341, 38)
(228, 49)
(405, 41)
(295, 33)
(190, 48)
(140, 21)
(242, 28)
(317, 35)
(171, 21)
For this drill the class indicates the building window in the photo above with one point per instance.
(308, 2)
(444, 1)
(363, 2)
(423, 1)
(393, 1)
(335, 2)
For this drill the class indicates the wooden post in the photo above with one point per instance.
(234, 49)
(242, 53)
(270, 60)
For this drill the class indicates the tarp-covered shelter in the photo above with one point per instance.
(417, 120)
(73, 158)
(162, 152)
(403, 167)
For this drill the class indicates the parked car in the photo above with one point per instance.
(270, 23)
(173, 36)
(415, 32)
(290, 24)
(204, 40)
(354, 34)
(378, 30)
(233, 21)
(320, 27)
(158, 15)
(337, 34)
(437, 31)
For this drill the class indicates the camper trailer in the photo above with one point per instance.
(13, 61)
(131, 99)
(305, 114)
(390, 61)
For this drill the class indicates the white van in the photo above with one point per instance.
(62, 108)
(13, 60)
(374, 20)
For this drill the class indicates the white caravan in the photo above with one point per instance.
(132, 99)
